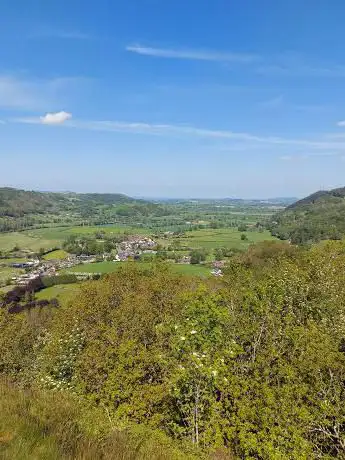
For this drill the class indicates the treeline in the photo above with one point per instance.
(251, 366)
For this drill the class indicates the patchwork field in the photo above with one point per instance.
(225, 237)
(61, 233)
(47, 238)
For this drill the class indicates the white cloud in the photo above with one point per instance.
(55, 118)
(195, 55)
(341, 123)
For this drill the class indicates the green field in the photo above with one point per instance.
(56, 255)
(111, 267)
(12, 260)
(225, 237)
(47, 238)
(61, 233)
(8, 272)
(63, 292)
(24, 241)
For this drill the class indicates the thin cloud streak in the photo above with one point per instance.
(183, 130)
(194, 55)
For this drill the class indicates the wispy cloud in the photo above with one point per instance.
(18, 93)
(321, 146)
(194, 55)
(284, 65)
(341, 123)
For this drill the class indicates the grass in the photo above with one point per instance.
(12, 260)
(8, 272)
(63, 292)
(61, 233)
(111, 267)
(227, 237)
(187, 269)
(5, 289)
(24, 241)
(46, 238)
(43, 425)
(58, 254)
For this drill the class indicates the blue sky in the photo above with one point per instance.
(173, 98)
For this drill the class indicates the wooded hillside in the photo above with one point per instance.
(319, 216)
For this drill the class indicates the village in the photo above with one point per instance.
(132, 248)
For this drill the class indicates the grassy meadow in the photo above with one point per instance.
(8, 272)
(63, 292)
(25, 241)
(225, 237)
(58, 254)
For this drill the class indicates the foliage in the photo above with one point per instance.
(197, 256)
(251, 365)
(317, 217)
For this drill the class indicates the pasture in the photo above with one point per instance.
(24, 241)
(58, 254)
(7, 273)
(225, 237)
(61, 233)
(63, 292)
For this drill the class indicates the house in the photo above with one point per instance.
(217, 272)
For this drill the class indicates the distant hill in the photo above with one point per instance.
(319, 216)
(15, 203)
(21, 209)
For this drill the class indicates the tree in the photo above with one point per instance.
(197, 256)
(244, 237)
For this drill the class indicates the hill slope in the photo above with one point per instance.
(319, 216)
(23, 209)
(15, 203)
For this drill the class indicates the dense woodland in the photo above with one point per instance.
(320, 216)
(251, 366)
